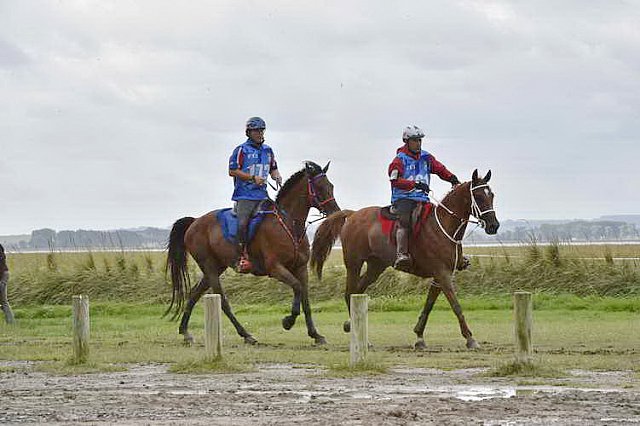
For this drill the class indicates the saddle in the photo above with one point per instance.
(389, 220)
(229, 221)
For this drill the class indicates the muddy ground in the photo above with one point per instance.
(287, 395)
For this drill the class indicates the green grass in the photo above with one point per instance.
(586, 313)
(134, 333)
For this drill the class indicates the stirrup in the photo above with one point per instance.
(403, 262)
(465, 263)
(244, 265)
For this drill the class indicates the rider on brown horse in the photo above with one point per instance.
(409, 173)
(250, 164)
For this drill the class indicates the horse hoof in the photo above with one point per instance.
(321, 341)
(288, 322)
(472, 344)
(250, 340)
(420, 345)
(346, 326)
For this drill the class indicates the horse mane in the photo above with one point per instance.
(294, 178)
(453, 190)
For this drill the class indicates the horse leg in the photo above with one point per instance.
(353, 279)
(374, 269)
(194, 296)
(449, 291)
(216, 287)
(303, 278)
(434, 292)
(300, 294)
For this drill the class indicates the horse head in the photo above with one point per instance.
(482, 202)
(320, 189)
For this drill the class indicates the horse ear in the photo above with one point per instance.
(308, 168)
(324, 170)
(487, 177)
(474, 176)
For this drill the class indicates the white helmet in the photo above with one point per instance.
(412, 132)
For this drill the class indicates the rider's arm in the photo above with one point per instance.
(396, 170)
(443, 173)
(240, 174)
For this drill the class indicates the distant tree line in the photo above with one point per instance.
(49, 239)
(574, 231)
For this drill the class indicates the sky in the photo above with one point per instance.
(119, 114)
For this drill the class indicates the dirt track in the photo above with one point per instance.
(285, 394)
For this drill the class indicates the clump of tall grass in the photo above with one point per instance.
(53, 278)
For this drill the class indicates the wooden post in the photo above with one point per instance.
(80, 329)
(523, 318)
(359, 329)
(212, 326)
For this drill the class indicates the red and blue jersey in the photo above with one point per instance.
(408, 168)
(255, 160)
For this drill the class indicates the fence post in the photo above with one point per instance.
(212, 326)
(359, 329)
(523, 317)
(80, 329)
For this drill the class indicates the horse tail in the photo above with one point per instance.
(325, 236)
(177, 265)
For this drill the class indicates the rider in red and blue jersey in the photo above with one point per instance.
(409, 173)
(250, 165)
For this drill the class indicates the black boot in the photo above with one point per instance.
(403, 260)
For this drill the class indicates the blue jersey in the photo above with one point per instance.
(418, 170)
(255, 160)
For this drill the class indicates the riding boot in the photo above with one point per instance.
(244, 265)
(403, 260)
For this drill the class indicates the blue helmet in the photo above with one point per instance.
(256, 123)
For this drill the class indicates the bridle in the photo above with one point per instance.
(314, 200)
(476, 212)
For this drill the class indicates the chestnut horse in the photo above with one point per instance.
(280, 249)
(436, 250)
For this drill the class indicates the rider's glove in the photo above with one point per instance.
(454, 180)
(422, 186)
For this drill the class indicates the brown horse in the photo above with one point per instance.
(280, 250)
(436, 250)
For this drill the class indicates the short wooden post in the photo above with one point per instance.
(523, 318)
(212, 326)
(359, 329)
(80, 329)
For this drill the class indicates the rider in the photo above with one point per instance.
(409, 173)
(4, 279)
(250, 164)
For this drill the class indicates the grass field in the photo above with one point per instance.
(587, 311)
(132, 333)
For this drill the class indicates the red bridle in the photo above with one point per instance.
(314, 200)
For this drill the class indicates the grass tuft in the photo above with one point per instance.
(524, 369)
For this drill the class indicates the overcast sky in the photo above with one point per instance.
(121, 114)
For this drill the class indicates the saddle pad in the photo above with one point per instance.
(389, 225)
(229, 224)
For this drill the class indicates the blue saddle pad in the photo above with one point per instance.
(229, 223)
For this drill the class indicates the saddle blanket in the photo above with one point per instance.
(229, 223)
(389, 225)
